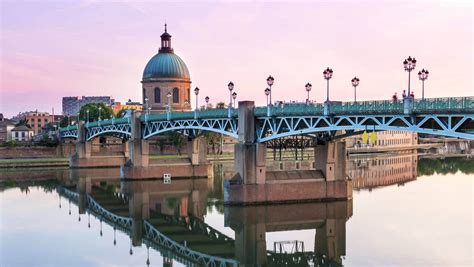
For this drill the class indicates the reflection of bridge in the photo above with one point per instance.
(253, 126)
(165, 220)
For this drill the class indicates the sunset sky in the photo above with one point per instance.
(51, 49)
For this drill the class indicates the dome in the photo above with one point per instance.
(166, 65)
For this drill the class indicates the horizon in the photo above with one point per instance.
(86, 48)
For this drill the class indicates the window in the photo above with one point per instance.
(22, 134)
(175, 95)
(157, 95)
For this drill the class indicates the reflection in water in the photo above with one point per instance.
(172, 218)
(368, 173)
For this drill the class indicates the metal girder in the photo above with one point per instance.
(226, 126)
(68, 133)
(122, 129)
(269, 128)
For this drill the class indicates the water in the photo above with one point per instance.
(406, 211)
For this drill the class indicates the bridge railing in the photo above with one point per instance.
(68, 128)
(108, 122)
(430, 105)
(188, 115)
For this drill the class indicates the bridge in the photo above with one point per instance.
(253, 127)
(451, 117)
(187, 239)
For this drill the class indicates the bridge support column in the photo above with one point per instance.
(250, 157)
(250, 245)
(330, 239)
(330, 159)
(197, 151)
(84, 187)
(139, 210)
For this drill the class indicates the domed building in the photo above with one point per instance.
(166, 75)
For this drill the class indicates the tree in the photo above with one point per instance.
(177, 140)
(64, 122)
(93, 108)
(23, 122)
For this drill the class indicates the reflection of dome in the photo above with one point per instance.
(166, 64)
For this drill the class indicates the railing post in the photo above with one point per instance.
(327, 108)
(407, 108)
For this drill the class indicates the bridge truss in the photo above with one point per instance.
(191, 127)
(461, 126)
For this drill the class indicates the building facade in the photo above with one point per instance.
(6, 127)
(36, 120)
(166, 79)
(22, 133)
(129, 105)
(72, 104)
(393, 139)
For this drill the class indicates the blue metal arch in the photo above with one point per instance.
(269, 128)
(225, 126)
(102, 133)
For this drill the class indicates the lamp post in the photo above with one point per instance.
(231, 87)
(87, 113)
(423, 75)
(196, 92)
(146, 103)
(355, 83)
(409, 64)
(186, 104)
(100, 108)
(270, 81)
(168, 115)
(327, 75)
(308, 87)
(234, 96)
(207, 101)
(267, 93)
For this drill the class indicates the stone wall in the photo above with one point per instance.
(29, 152)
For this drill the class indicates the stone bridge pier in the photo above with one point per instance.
(251, 224)
(253, 184)
(139, 165)
(83, 157)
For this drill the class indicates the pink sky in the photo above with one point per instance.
(74, 48)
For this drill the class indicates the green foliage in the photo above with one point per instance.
(10, 143)
(445, 166)
(93, 108)
(66, 121)
(177, 140)
(47, 141)
(23, 122)
(213, 140)
(121, 113)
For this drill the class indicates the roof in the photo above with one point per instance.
(21, 128)
(165, 65)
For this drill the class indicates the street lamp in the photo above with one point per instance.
(231, 87)
(267, 93)
(87, 112)
(146, 103)
(308, 87)
(327, 75)
(423, 75)
(355, 83)
(409, 64)
(234, 96)
(100, 108)
(207, 101)
(169, 101)
(186, 103)
(196, 92)
(270, 81)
